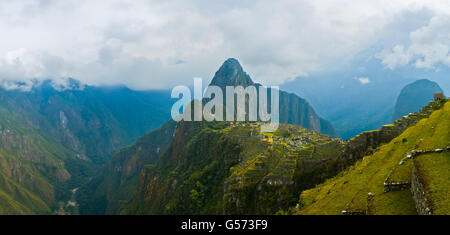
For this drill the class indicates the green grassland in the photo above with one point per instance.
(434, 171)
(349, 190)
(36, 172)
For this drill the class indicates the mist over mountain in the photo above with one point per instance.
(414, 96)
(92, 121)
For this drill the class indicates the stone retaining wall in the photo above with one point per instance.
(418, 193)
(353, 212)
(368, 142)
(396, 186)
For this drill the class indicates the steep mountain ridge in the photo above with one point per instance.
(292, 109)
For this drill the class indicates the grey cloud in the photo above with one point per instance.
(428, 47)
(159, 44)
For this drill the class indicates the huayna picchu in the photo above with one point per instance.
(117, 181)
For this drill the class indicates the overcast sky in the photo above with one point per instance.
(159, 44)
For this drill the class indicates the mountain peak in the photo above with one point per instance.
(414, 96)
(231, 74)
(232, 62)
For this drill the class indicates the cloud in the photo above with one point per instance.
(22, 64)
(364, 80)
(159, 44)
(428, 48)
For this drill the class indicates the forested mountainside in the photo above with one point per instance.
(36, 171)
(92, 121)
(414, 96)
(54, 138)
(118, 179)
(233, 168)
(408, 175)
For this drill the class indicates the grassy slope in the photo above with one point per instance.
(16, 199)
(35, 170)
(350, 188)
(436, 179)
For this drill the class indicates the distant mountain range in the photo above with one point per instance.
(53, 139)
(93, 121)
(360, 95)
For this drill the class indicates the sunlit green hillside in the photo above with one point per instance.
(361, 188)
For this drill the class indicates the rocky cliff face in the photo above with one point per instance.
(231, 74)
(297, 111)
(117, 181)
(293, 109)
